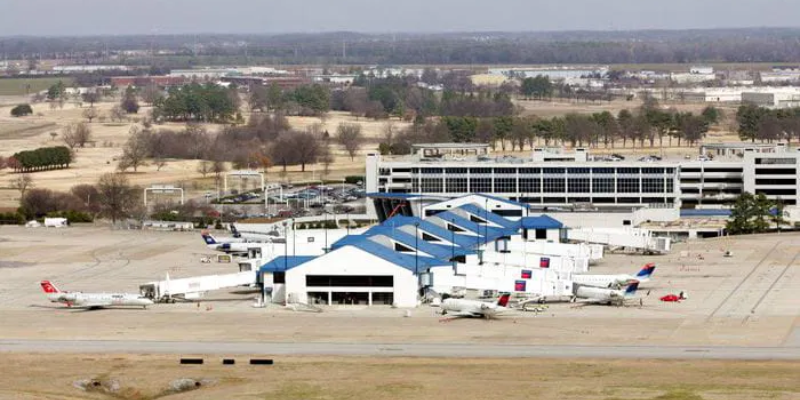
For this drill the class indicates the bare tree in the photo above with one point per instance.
(205, 167)
(117, 114)
(350, 137)
(22, 183)
(151, 93)
(136, 150)
(159, 163)
(90, 113)
(118, 199)
(76, 134)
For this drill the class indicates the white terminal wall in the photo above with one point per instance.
(351, 260)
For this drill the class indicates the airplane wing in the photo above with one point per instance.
(463, 314)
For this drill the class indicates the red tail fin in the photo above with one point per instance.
(503, 300)
(49, 287)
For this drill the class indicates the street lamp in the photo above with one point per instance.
(416, 257)
(285, 247)
(453, 244)
(294, 240)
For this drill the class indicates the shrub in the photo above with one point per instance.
(21, 110)
(353, 179)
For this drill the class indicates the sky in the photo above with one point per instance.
(121, 17)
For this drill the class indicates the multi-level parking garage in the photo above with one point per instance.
(551, 179)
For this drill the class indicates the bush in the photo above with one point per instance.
(353, 179)
(12, 218)
(21, 110)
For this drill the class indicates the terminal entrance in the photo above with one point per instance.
(350, 298)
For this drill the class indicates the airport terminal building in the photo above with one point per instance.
(558, 180)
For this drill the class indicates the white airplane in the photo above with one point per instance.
(94, 300)
(596, 295)
(227, 245)
(474, 308)
(255, 237)
(619, 280)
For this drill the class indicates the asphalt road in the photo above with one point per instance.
(398, 350)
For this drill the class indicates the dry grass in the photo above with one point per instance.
(47, 376)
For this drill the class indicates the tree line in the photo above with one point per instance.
(644, 125)
(768, 125)
(570, 47)
(41, 159)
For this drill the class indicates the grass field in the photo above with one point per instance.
(23, 86)
(45, 376)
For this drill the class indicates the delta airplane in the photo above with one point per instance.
(474, 308)
(94, 300)
(612, 297)
(611, 281)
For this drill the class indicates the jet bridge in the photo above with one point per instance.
(196, 287)
(634, 238)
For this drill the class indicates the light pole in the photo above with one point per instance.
(416, 253)
(326, 231)
(453, 245)
(294, 240)
(285, 248)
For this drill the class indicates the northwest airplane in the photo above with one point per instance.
(227, 245)
(620, 280)
(612, 297)
(93, 300)
(474, 308)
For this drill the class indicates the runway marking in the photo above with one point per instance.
(736, 289)
(775, 282)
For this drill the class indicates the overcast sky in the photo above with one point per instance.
(102, 17)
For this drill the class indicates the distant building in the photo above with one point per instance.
(553, 73)
(141, 81)
(775, 99)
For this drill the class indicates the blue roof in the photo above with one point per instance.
(541, 222)
(482, 213)
(407, 261)
(503, 200)
(394, 233)
(435, 230)
(488, 232)
(705, 213)
(283, 263)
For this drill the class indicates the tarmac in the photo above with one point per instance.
(743, 306)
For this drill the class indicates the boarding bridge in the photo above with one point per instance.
(594, 252)
(538, 261)
(633, 238)
(195, 287)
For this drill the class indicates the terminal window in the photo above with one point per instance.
(653, 185)
(529, 185)
(578, 185)
(432, 185)
(628, 185)
(456, 185)
(505, 185)
(603, 185)
(480, 185)
(554, 185)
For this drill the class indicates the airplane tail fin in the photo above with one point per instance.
(630, 291)
(646, 271)
(208, 238)
(49, 288)
(235, 231)
(502, 301)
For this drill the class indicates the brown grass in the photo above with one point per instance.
(46, 376)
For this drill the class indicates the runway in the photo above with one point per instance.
(448, 350)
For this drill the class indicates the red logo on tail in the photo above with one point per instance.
(49, 287)
(503, 300)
